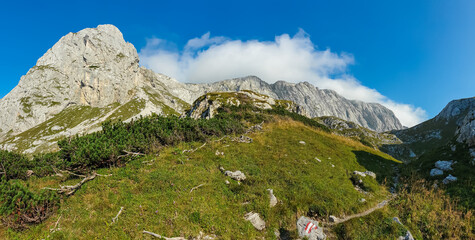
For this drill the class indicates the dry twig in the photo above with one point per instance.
(117, 216)
(159, 236)
(194, 188)
(55, 228)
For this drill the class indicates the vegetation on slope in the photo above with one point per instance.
(462, 190)
(175, 192)
(155, 190)
(427, 212)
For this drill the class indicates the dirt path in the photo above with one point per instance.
(361, 214)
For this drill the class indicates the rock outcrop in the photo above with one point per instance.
(207, 105)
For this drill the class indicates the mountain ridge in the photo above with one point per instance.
(95, 71)
(317, 102)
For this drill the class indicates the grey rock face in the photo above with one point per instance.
(255, 220)
(444, 165)
(272, 198)
(466, 130)
(455, 108)
(316, 102)
(436, 172)
(83, 68)
(310, 229)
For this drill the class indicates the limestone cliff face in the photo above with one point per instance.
(94, 67)
(316, 102)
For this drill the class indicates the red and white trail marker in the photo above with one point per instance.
(310, 226)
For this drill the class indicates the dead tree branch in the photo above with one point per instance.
(117, 216)
(69, 190)
(194, 188)
(55, 228)
(134, 154)
(159, 236)
(193, 150)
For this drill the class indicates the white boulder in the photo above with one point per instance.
(310, 229)
(436, 172)
(255, 220)
(444, 165)
(449, 179)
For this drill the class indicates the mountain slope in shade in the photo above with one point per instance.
(442, 150)
(454, 124)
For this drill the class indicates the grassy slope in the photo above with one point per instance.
(156, 196)
(76, 115)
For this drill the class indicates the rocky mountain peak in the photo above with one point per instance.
(456, 108)
(90, 47)
(94, 67)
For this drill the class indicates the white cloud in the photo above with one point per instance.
(292, 59)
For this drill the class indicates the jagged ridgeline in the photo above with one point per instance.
(94, 75)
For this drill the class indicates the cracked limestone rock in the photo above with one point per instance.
(237, 175)
(272, 198)
(449, 179)
(309, 228)
(255, 220)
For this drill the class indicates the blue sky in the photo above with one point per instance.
(420, 53)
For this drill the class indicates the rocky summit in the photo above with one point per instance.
(94, 75)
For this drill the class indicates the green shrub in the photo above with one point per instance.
(13, 165)
(145, 135)
(20, 207)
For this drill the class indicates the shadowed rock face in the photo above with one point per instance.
(455, 121)
(315, 101)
